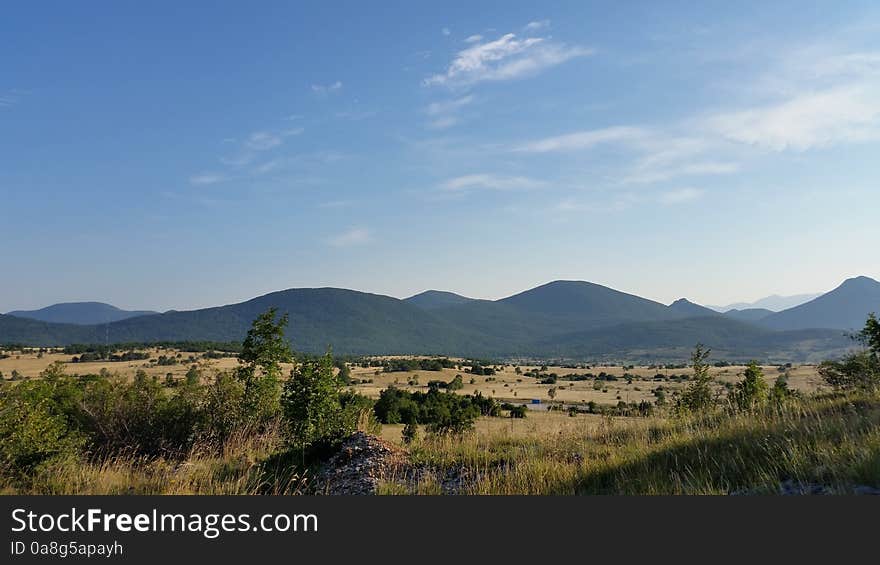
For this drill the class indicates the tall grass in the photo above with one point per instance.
(832, 441)
(250, 463)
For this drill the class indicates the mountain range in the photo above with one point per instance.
(83, 313)
(561, 319)
(774, 303)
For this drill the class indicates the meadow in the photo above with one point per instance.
(170, 421)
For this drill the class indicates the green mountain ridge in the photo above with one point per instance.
(561, 319)
(81, 313)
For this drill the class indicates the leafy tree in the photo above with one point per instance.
(455, 384)
(311, 405)
(752, 391)
(263, 351)
(861, 370)
(344, 374)
(870, 335)
(224, 400)
(697, 397)
(193, 376)
(410, 433)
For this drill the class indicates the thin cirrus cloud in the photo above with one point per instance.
(823, 97)
(204, 179)
(259, 142)
(505, 58)
(446, 113)
(8, 99)
(536, 25)
(843, 114)
(654, 174)
(350, 237)
(584, 139)
(681, 195)
(487, 181)
(322, 89)
(473, 38)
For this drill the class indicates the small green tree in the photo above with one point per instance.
(193, 376)
(311, 406)
(870, 336)
(263, 351)
(410, 433)
(455, 384)
(860, 370)
(223, 409)
(752, 391)
(697, 397)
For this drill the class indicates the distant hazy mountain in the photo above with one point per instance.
(562, 319)
(433, 299)
(587, 304)
(773, 303)
(845, 308)
(82, 313)
(749, 314)
(684, 308)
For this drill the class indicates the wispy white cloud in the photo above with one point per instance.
(505, 58)
(207, 178)
(445, 114)
(681, 195)
(322, 89)
(262, 141)
(351, 237)
(473, 38)
(447, 106)
(845, 114)
(488, 181)
(809, 96)
(584, 139)
(256, 143)
(536, 25)
(700, 168)
(445, 31)
(8, 99)
(331, 204)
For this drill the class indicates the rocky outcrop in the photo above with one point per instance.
(361, 464)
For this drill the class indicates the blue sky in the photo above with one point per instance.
(179, 155)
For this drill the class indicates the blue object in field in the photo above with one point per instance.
(536, 401)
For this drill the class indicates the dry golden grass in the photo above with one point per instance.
(508, 386)
(245, 467)
(31, 363)
(830, 442)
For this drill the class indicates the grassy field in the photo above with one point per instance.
(831, 441)
(817, 438)
(506, 385)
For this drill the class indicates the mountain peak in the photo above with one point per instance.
(859, 282)
(433, 299)
(684, 308)
(83, 313)
(846, 307)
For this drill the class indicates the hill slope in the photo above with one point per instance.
(564, 319)
(774, 303)
(433, 299)
(845, 308)
(586, 304)
(749, 314)
(684, 308)
(83, 313)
